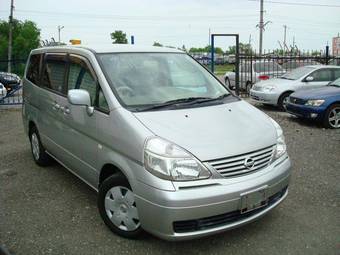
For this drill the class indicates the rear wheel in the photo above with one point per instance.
(283, 100)
(332, 117)
(117, 206)
(227, 83)
(38, 151)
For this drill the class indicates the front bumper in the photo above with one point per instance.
(164, 213)
(264, 97)
(307, 112)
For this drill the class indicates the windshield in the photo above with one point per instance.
(335, 83)
(145, 79)
(262, 67)
(297, 73)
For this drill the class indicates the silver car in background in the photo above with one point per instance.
(156, 135)
(276, 91)
(251, 72)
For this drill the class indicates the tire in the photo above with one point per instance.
(121, 216)
(332, 118)
(39, 154)
(227, 83)
(248, 87)
(283, 100)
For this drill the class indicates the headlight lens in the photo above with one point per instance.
(268, 88)
(168, 161)
(281, 147)
(315, 102)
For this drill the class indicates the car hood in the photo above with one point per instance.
(215, 131)
(275, 82)
(318, 93)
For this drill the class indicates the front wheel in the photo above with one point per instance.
(117, 207)
(283, 100)
(332, 117)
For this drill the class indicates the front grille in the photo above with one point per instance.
(295, 100)
(235, 165)
(222, 219)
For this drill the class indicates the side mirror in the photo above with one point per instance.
(309, 78)
(80, 97)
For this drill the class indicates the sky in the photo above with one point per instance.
(186, 22)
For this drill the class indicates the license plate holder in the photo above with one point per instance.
(253, 200)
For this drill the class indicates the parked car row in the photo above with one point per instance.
(316, 93)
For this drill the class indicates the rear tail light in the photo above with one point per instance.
(263, 77)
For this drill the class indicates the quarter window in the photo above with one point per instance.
(33, 71)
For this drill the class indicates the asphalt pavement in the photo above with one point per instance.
(50, 211)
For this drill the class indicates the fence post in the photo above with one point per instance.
(327, 54)
(212, 53)
(237, 63)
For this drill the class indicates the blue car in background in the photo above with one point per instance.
(321, 104)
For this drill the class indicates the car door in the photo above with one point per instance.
(80, 128)
(51, 94)
(321, 77)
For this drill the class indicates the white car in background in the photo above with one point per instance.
(252, 72)
(3, 91)
(277, 91)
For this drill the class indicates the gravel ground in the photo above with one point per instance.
(50, 211)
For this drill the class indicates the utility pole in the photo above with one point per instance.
(59, 29)
(10, 39)
(209, 36)
(261, 27)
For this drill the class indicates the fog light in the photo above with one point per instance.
(313, 115)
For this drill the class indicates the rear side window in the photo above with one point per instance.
(53, 76)
(33, 71)
(336, 74)
(322, 75)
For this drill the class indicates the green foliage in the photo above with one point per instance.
(207, 48)
(26, 36)
(119, 36)
(157, 44)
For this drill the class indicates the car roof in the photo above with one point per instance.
(110, 48)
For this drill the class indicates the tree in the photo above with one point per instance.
(244, 48)
(207, 49)
(119, 36)
(26, 36)
(157, 44)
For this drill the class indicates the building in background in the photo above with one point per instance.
(336, 46)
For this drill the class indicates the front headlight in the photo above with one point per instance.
(169, 161)
(315, 102)
(268, 88)
(281, 147)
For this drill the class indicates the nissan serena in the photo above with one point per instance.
(167, 147)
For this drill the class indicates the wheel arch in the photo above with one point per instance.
(108, 170)
(284, 92)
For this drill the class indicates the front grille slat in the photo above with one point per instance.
(235, 165)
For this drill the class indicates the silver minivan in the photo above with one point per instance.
(168, 148)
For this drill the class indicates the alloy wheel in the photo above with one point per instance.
(334, 117)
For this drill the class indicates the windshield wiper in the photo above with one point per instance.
(282, 77)
(183, 101)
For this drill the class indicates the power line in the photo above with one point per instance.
(300, 4)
